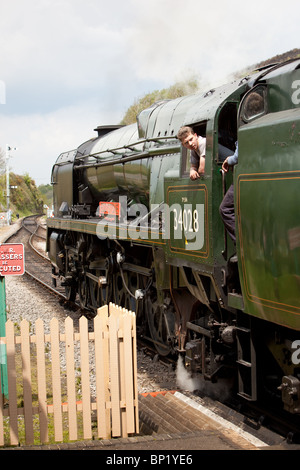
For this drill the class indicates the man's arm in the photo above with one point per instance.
(201, 168)
(231, 160)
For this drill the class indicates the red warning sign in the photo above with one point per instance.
(12, 260)
(109, 208)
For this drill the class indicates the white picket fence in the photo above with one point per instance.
(113, 344)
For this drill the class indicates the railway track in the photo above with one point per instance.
(171, 414)
(32, 233)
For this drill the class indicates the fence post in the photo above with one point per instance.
(85, 378)
(72, 415)
(114, 375)
(27, 389)
(41, 376)
(56, 383)
(102, 372)
(129, 372)
(12, 384)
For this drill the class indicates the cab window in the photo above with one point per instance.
(227, 130)
(200, 129)
(253, 105)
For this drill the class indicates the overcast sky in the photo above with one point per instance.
(67, 66)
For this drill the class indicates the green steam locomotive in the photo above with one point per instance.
(131, 227)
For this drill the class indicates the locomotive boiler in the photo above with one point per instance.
(130, 227)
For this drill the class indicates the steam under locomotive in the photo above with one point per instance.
(130, 227)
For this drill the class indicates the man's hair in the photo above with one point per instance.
(184, 131)
(254, 104)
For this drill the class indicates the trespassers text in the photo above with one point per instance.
(11, 256)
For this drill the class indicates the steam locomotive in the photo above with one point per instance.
(130, 227)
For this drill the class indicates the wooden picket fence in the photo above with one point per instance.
(115, 405)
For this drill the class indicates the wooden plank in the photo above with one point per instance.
(41, 379)
(12, 386)
(123, 369)
(85, 378)
(102, 378)
(56, 383)
(114, 372)
(129, 379)
(134, 364)
(107, 371)
(27, 390)
(71, 390)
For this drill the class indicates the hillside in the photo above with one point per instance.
(292, 54)
(25, 198)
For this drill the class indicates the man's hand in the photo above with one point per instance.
(194, 174)
(225, 166)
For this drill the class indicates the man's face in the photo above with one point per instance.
(190, 141)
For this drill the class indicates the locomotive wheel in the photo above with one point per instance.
(70, 293)
(83, 291)
(157, 326)
(94, 296)
(70, 288)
